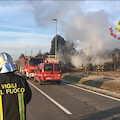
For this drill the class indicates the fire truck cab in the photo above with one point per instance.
(48, 72)
(28, 65)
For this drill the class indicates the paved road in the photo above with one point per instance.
(64, 102)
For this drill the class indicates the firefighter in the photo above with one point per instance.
(102, 67)
(98, 67)
(15, 92)
(82, 68)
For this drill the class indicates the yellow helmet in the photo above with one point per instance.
(6, 64)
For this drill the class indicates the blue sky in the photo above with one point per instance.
(29, 23)
(18, 29)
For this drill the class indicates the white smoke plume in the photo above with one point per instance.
(88, 31)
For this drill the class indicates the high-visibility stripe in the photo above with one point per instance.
(1, 108)
(1, 62)
(21, 106)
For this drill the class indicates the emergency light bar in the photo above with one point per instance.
(51, 60)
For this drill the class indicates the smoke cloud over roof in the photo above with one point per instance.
(88, 31)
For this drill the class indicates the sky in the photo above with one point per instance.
(28, 25)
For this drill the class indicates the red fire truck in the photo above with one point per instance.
(48, 72)
(28, 65)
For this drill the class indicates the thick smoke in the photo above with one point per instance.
(88, 31)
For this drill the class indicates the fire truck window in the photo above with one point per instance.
(41, 68)
(35, 61)
(48, 67)
(57, 68)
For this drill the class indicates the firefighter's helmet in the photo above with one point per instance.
(6, 64)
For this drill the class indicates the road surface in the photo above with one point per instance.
(65, 102)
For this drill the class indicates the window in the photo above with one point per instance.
(57, 68)
(40, 68)
(35, 61)
(48, 67)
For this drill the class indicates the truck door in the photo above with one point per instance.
(48, 71)
(37, 74)
(57, 72)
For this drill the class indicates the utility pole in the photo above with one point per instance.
(56, 39)
(31, 53)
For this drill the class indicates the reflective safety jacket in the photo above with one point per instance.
(15, 93)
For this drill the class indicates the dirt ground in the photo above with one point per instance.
(104, 80)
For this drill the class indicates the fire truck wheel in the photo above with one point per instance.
(59, 82)
(40, 82)
(34, 79)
